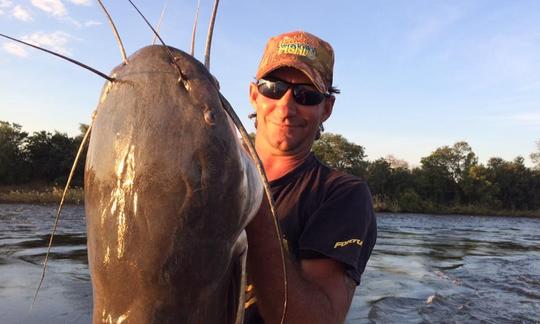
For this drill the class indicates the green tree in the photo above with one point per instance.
(516, 185)
(378, 177)
(410, 201)
(401, 179)
(50, 156)
(337, 152)
(445, 170)
(478, 188)
(13, 166)
(434, 181)
(456, 160)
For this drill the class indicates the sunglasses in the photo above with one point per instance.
(303, 94)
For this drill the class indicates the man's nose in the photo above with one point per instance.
(286, 106)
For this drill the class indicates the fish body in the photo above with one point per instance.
(168, 192)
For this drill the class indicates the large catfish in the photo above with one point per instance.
(168, 193)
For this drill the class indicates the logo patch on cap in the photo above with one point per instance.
(297, 49)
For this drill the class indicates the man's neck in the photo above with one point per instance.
(277, 166)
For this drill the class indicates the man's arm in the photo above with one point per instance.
(319, 290)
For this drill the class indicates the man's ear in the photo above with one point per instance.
(253, 93)
(328, 107)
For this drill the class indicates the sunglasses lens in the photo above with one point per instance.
(272, 89)
(307, 96)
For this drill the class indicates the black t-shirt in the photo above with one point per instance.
(325, 214)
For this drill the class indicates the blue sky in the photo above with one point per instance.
(415, 75)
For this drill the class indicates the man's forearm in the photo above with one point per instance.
(307, 302)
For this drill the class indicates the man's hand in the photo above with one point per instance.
(319, 290)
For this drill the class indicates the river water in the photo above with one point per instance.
(424, 269)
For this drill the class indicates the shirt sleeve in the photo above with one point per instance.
(343, 228)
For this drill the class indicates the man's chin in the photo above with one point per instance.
(287, 147)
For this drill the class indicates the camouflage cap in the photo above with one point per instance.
(303, 51)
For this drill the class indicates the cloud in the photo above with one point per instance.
(15, 49)
(21, 14)
(55, 41)
(81, 2)
(57, 9)
(5, 3)
(91, 23)
(53, 7)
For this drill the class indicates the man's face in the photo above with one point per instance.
(285, 127)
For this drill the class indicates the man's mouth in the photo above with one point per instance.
(285, 124)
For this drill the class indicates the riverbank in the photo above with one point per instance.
(427, 207)
(38, 194)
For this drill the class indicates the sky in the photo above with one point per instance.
(414, 75)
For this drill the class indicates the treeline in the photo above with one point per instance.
(42, 158)
(449, 180)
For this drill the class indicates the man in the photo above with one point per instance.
(326, 216)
